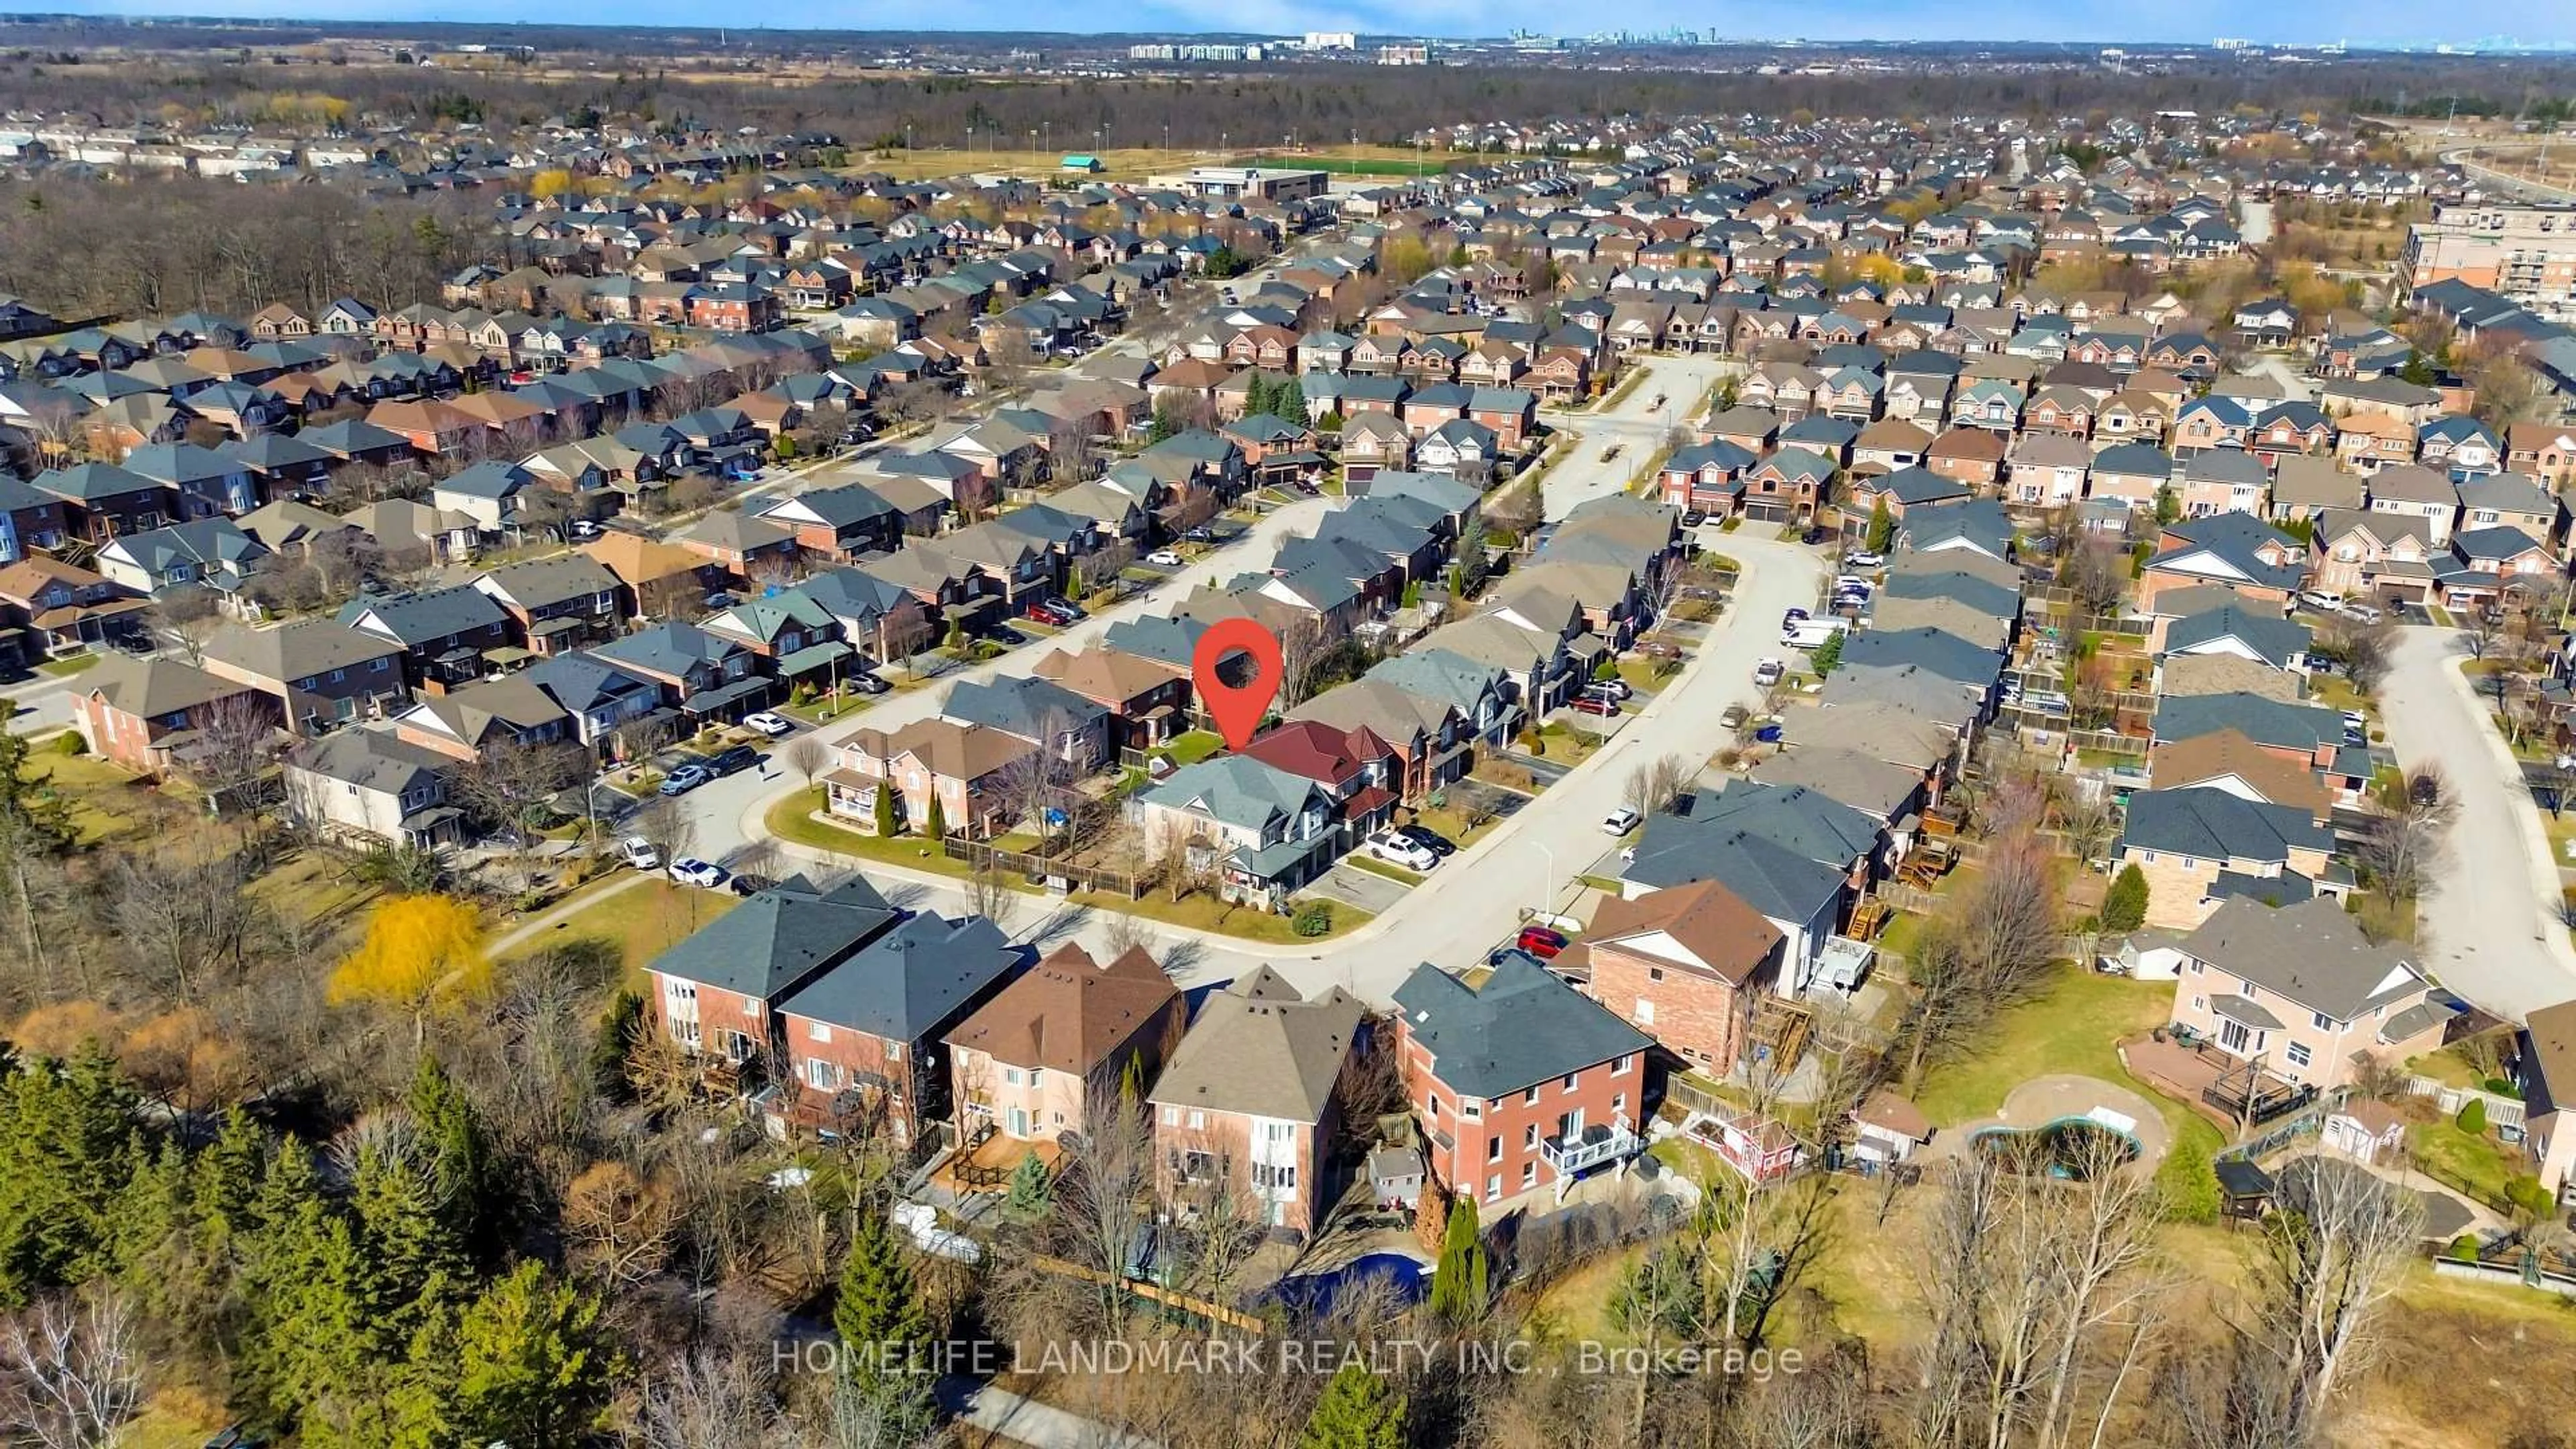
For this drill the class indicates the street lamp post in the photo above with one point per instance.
(1547, 901)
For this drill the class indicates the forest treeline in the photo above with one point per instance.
(1328, 102)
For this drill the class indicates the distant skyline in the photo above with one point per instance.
(2300, 22)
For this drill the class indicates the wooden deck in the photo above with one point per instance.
(987, 1166)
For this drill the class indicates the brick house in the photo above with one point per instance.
(859, 1034)
(1251, 1101)
(1520, 1083)
(958, 765)
(142, 713)
(1685, 965)
(2204, 844)
(1035, 1059)
(320, 674)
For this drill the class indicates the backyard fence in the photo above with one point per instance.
(2502, 1112)
(979, 856)
(2279, 1135)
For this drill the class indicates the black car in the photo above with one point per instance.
(733, 760)
(1693, 518)
(749, 884)
(1815, 534)
(1429, 840)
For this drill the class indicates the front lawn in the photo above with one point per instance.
(1646, 675)
(1191, 746)
(792, 819)
(2070, 1027)
(1566, 745)
(68, 665)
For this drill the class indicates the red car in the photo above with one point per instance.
(1541, 942)
(1595, 704)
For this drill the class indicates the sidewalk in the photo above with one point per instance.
(1024, 1420)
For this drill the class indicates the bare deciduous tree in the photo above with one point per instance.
(806, 755)
(71, 1372)
(707, 1397)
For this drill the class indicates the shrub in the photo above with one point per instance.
(2526, 1194)
(2124, 906)
(1314, 918)
(2188, 1184)
(2501, 1086)
(2473, 1117)
(2464, 1248)
(69, 742)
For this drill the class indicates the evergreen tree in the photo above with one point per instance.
(1458, 1285)
(878, 1309)
(1359, 1410)
(1289, 400)
(1882, 526)
(2124, 906)
(887, 825)
(1031, 1189)
(413, 1254)
(936, 827)
(1256, 395)
(314, 1329)
(533, 1365)
(67, 1145)
(2168, 503)
(451, 1128)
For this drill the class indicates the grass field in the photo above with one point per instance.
(2070, 1027)
(643, 920)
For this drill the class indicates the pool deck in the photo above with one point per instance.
(2043, 1100)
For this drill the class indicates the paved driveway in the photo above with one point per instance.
(2491, 920)
(1353, 886)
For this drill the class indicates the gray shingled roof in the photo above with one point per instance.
(1524, 1026)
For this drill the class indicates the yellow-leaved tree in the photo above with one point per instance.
(420, 952)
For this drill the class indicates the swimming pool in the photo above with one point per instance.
(1313, 1294)
(2068, 1147)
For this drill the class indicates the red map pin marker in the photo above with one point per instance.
(1237, 708)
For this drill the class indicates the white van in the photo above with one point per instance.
(1809, 633)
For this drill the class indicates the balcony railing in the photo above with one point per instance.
(1590, 1148)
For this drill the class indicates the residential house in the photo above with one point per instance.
(1047, 1053)
(145, 714)
(2300, 994)
(1687, 965)
(1259, 832)
(371, 787)
(1251, 1102)
(959, 766)
(320, 674)
(2203, 845)
(860, 1033)
(1520, 1082)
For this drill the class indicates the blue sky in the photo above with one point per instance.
(2361, 22)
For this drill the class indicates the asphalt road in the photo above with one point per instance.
(1635, 426)
(1476, 898)
(2491, 921)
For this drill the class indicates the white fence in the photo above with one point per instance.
(2502, 1112)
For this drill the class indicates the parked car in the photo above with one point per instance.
(689, 870)
(1769, 672)
(866, 683)
(1620, 821)
(1430, 840)
(1595, 704)
(1542, 942)
(1693, 518)
(582, 528)
(749, 884)
(1611, 452)
(685, 778)
(1792, 617)
(772, 725)
(733, 760)
(2359, 613)
(1615, 688)
(1389, 846)
(2319, 600)
(1863, 559)
(639, 853)
(1733, 717)
(1163, 558)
